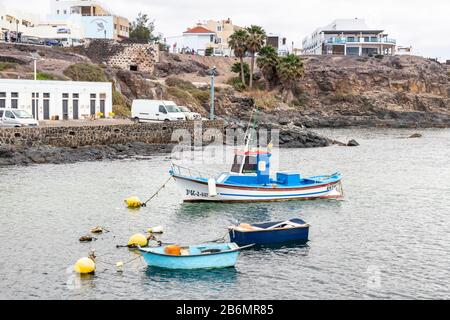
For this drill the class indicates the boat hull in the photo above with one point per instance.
(227, 259)
(194, 190)
(270, 237)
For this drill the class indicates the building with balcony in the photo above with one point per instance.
(97, 21)
(223, 29)
(348, 37)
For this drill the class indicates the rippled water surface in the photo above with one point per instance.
(389, 238)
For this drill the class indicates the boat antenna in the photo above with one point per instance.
(248, 137)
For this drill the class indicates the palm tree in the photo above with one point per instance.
(290, 70)
(267, 62)
(255, 41)
(237, 43)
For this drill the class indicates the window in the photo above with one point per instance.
(2, 100)
(46, 95)
(9, 115)
(93, 96)
(1, 113)
(65, 95)
(57, 11)
(14, 100)
(76, 95)
(162, 109)
(102, 95)
(211, 38)
(219, 28)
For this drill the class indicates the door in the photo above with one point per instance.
(10, 119)
(102, 108)
(75, 110)
(46, 109)
(162, 114)
(35, 108)
(92, 107)
(65, 110)
(1, 118)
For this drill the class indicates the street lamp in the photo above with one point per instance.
(35, 56)
(213, 74)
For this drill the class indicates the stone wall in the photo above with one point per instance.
(122, 55)
(151, 133)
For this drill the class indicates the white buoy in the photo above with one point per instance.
(212, 190)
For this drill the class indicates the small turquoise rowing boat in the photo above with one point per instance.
(207, 256)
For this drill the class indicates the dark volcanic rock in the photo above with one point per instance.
(57, 155)
(352, 143)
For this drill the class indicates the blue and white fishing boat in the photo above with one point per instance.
(270, 233)
(207, 256)
(249, 181)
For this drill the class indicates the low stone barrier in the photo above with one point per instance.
(151, 133)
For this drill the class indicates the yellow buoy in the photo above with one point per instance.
(138, 240)
(84, 266)
(133, 202)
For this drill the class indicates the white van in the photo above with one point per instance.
(14, 118)
(155, 110)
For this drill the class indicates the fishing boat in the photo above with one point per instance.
(249, 180)
(267, 233)
(207, 256)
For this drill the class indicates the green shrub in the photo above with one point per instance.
(181, 97)
(209, 52)
(45, 76)
(85, 72)
(236, 68)
(180, 83)
(236, 83)
(7, 66)
(121, 110)
(201, 96)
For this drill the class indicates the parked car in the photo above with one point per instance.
(155, 110)
(14, 118)
(53, 43)
(32, 40)
(189, 114)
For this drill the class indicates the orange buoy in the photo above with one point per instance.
(173, 250)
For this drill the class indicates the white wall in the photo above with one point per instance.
(198, 42)
(56, 89)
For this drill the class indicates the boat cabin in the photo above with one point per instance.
(253, 167)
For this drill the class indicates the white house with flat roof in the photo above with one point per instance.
(63, 100)
(348, 37)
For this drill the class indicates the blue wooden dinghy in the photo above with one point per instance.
(294, 230)
(207, 256)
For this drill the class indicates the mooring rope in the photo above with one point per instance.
(144, 204)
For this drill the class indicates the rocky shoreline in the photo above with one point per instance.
(23, 156)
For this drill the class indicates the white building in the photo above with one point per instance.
(280, 43)
(70, 22)
(97, 21)
(196, 39)
(348, 37)
(13, 22)
(46, 100)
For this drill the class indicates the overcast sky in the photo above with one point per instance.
(423, 24)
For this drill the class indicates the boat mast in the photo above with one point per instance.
(248, 139)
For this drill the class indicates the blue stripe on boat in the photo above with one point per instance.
(271, 196)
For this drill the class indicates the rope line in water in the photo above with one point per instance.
(144, 204)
